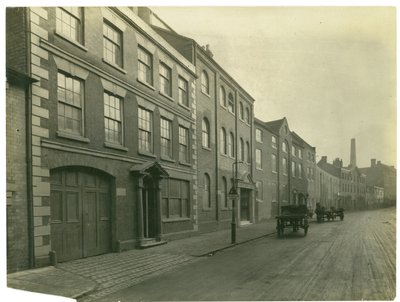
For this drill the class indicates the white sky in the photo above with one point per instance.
(330, 70)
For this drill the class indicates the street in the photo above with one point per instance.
(352, 259)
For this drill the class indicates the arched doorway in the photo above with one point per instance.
(80, 208)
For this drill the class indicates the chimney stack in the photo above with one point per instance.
(324, 159)
(353, 159)
(373, 162)
(338, 162)
(145, 14)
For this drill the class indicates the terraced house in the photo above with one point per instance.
(285, 168)
(224, 137)
(111, 134)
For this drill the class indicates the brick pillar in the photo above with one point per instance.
(40, 115)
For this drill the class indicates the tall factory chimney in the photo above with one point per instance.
(353, 159)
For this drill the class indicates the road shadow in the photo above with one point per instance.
(292, 235)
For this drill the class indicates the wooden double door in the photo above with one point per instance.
(80, 209)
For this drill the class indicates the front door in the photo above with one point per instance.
(244, 205)
(149, 209)
(80, 213)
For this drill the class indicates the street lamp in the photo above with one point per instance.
(233, 194)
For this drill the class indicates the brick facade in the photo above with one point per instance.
(54, 150)
(17, 205)
(278, 186)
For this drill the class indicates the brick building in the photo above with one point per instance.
(341, 186)
(286, 170)
(328, 180)
(375, 197)
(121, 133)
(382, 176)
(224, 123)
(112, 130)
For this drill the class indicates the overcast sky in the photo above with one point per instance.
(331, 71)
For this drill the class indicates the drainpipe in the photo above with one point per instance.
(236, 155)
(289, 171)
(278, 140)
(216, 104)
(28, 112)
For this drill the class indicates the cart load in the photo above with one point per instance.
(292, 217)
(328, 214)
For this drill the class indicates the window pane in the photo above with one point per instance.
(112, 118)
(183, 144)
(70, 97)
(68, 22)
(112, 44)
(145, 130)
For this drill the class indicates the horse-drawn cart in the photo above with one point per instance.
(328, 214)
(294, 217)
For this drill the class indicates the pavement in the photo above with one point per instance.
(91, 278)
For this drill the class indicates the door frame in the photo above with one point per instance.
(111, 203)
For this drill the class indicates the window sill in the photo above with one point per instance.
(224, 155)
(166, 220)
(207, 210)
(148, 154)
(72, 136)
(76, 43)
(167, 96)
(274, 172)
(169, 159)
(113, 65)
(259, 169)
(206, 148)
(206, 94)
(146, 84)
(115, 146)
(184, 106)
(226, 209)
(185, 164)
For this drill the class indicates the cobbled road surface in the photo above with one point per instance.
(352, 259)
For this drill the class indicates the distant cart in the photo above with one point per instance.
(329, 214)
(293, 217)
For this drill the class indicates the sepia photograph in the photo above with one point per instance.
(200, 152)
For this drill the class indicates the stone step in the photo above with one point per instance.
(150, 242)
